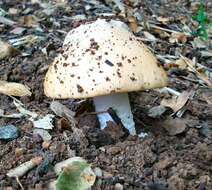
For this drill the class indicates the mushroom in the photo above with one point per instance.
(104, 60)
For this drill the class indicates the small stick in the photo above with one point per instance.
(164, 29)
(25, 167)
(170, 90)
(19, 183)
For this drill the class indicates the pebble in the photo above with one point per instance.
(118, 186)
(8, 132)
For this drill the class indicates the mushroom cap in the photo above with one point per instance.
(101, 58)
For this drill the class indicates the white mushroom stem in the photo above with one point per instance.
(120, 104)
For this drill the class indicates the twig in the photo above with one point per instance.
(164, 29)
(19, 183)
(24, 168)
(170, 90)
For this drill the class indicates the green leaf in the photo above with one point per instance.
(77, 176)
(203, 23)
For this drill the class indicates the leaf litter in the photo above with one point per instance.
(30, 28)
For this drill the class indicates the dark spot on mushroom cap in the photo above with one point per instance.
(120, 64)
(55, 66)
(133, 78)
(79, 88)
(107, 79)
(65, 64)
(100, 57)
(74, 64)
(109, 63)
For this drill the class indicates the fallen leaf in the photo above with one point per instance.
(29, 40)
(13, 11)
(43, 133)
(7, 21)
(157, 111)
(164, 20)
(200, 75)
(133, 23)
(178, 38)
(176, 103)
(76, 175)
(18, 30)
(24, 111)
(6, 50)
(174, 126)
(29, 21)
(43, 123)
(61, 110)
(181, 63)
(58, 168)
(14, 89)
(149, 36)
(3, 12)
(161, 33)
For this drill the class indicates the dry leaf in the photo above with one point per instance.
(174, 126)
(161, 33)
(200, 75)
(29, 21)
(132, 23)
(181, 63)
(7, 21)
(176, 103)
(178, 38)
(6, 50)
(163, 20)
(14, 89)
(149, 36)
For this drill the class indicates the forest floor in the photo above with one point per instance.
(177, 152)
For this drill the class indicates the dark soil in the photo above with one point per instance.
(157, 162)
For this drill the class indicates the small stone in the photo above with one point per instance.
(8, 132)
(118, 186)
